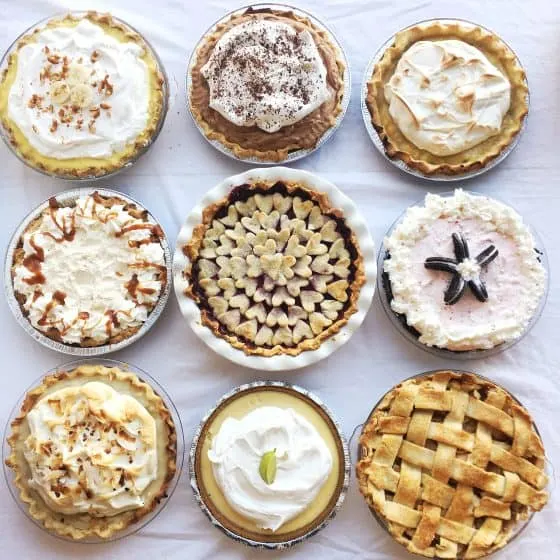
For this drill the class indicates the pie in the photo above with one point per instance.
(462, 272)
(81, 96)
(451, 463)
(265, 83)
(287, 483)
(447, 97)
(274, 268)
(89, 271)
(93, 450)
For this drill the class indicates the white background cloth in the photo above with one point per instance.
(182, 166)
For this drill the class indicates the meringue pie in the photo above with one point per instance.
(265, 83)
(451, 464)
(447, 97)
(274, 268)
(81, 96)
(89, 271)
(93, 450)
(269, 426)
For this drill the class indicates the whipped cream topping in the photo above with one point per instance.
(90, 271)
(447, 97)
(304, 463)
(515, 280)
(79, 92)
(91, 450)
(267, 74)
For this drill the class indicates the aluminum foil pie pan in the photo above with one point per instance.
(9, 474)
(521, 524)
(399, 321)
(378, 142)
(40, 24)
(280, 362)
(74, 350)
(297, 154)
(344, 479)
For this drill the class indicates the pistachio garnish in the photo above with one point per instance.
(267, 466)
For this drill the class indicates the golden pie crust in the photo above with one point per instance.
(194, 246)
(252, 142)
(397, 146)
(19, 255)
(86, 167)
(81, 526)
(451, 463)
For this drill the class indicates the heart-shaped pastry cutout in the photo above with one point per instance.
(301, 331)
(294, 248)
(271, 264)
(302, 208)
(257, 312)
(215, 231)
(338, 290)
(218, 304)
(254, 268)
(338, 250)
(318, 322)
(225, 246)
(262, 295)
(277, 317)
(320, 282)
(246, 208)
(295, 284)
(309, 298)
(237, 233)
(301, 268)
(232, 217)
(247, 284)
(281, 203)
(321, 265)
(228, 286)
(264, 203)
(281, 296)
(296, 313)
(248, 329)
(283, 336)
(314, 245)
(331, 308)
(210, 286)
(251, 224)
(269, 248)
(328, 231)
(342, 268)
(231, 319)
(241, 302)
(316, 219)
(206, 268)
(264, 336)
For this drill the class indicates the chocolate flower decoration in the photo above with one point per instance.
(465, 271)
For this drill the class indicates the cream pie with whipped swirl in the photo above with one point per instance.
(93, 450)
(447, 97)
(81, 96)
(89, 272)
(462, 272)
(269, 464)
(266, 82)
(274, 268)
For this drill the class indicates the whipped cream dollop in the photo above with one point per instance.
(304, 463)
(90, 271)
(91, 450)
(447, 97)
(79, 92)
(266, 73)
(515, 280)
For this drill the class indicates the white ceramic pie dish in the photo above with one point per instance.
(40, 337)
(378, 142)
(281, 362)
(298, 154)
(10, 475)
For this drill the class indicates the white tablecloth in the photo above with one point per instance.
(182, 166)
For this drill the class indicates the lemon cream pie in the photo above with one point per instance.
(266, 82)
(93, 449)
(269, 464)
(89, 271)
(81, 96)
(274, 268)
(447, 97)
(462, 272)
(452, 465)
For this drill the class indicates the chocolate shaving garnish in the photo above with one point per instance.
(459, 283)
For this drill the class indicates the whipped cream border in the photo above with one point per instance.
(67, 196)
(406, 292)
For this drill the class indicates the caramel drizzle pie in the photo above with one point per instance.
(67, 228)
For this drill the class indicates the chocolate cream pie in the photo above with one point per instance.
(88, 272)
(447, 97)
(93, 449)
(81, 96)
(265, 83)
(461, 272)
(274, 268)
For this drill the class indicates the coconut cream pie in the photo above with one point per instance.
(81, 96)
(447, 97)
(266, 82)
(452, 465)
(93, 449)
(463, 273)
(274, 268)
(89, 272)
(269, 464)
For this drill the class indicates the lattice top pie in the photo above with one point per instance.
(274, 268)
(451, 463)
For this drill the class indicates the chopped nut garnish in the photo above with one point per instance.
(54, 58)
(54, 125)
(105, 106)
(91, 126)
(95, 112)
(95, 56)
(34, 129)
(35, 101)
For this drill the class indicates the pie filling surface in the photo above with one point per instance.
(451, 463)
(93, 449)
(81, 96)
(274, 269)
(91, 272)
